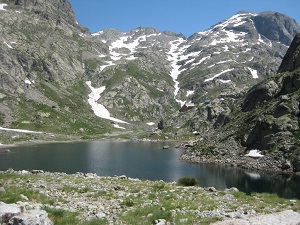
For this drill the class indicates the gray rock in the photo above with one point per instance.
(23, 197)
(258, 94)
(7, 211)
(160, 222)
(2, 190)
(286, 165)
(211, 189)
(31, 217)
(296, 165)
(232, 189)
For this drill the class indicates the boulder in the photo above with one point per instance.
(7, 211)
(296, 165)
(31, 217)
(286, 165)
(2, 190)
(14, 214)
(258, 94)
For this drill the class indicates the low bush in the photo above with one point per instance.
(188, 181)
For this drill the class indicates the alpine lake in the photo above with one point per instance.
(145, 161)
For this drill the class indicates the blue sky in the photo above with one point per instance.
(187, 17)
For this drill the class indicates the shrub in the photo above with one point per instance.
(187, 181)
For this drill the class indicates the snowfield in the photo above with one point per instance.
(99, 109)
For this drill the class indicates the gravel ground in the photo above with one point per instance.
(287, 217)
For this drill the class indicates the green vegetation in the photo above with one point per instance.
(2, 116)
(188, 181)
(14, 194)
(63, 217)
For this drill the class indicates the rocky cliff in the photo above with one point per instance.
(268, 121)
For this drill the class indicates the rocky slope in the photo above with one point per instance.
(57, 77)
(268, 121)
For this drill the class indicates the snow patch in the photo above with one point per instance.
(8, 45)
(247, 50)
(226, 48)
(224, 81)
(225, 61)
(28, 82)
(253, 73)
(260, 40)
(118, 126)
(22, 131)
(217, 75)
(235, 20)
(98, 33)
(188, 93)
(99, 109)
(231, 37)
(2, 5)
(173, 56)
(254, 154)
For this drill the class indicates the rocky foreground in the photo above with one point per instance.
(38, 197)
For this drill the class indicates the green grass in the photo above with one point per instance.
(63, 217)
(146, 215)
(13, 195)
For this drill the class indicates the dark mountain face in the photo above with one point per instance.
(291, 60)
(276, 27)
(141, 77)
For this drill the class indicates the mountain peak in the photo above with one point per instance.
(276, 27)
(59, 12)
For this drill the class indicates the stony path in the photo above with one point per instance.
(287, 217)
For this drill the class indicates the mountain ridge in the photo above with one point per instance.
(146, 75)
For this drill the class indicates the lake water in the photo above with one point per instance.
(143, 160)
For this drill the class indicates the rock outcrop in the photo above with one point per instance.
(268, 120)
(15, 214)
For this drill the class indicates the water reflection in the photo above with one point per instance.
(143, 161)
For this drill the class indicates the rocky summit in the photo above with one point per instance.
(57, 80)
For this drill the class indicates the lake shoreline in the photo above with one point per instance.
(247, 163)
(121, 199)
(258, 164)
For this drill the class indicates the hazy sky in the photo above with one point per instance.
(187, 17)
